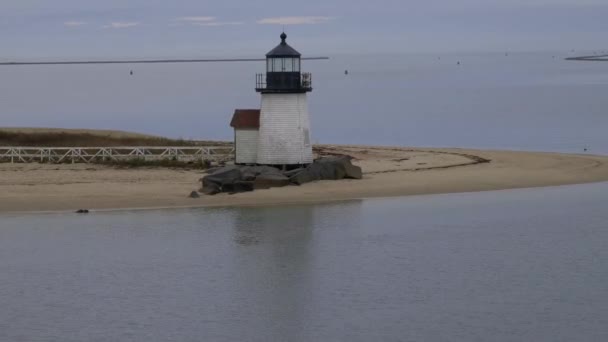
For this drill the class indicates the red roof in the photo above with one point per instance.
(246, 118)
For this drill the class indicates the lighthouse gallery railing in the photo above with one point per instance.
(261, 82)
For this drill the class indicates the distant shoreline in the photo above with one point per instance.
(388, 172)
(596, 58)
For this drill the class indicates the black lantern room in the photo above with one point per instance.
(283, 73)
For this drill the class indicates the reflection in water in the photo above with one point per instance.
(277, 261)
(279, 272)
(253, 225)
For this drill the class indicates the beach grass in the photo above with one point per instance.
(49, 137)
(165, 163)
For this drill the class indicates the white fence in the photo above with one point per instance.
(102, 154)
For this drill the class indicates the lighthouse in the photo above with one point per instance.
(284, 123)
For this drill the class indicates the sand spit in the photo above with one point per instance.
(388, 171)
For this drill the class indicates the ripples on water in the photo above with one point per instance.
(522, 265)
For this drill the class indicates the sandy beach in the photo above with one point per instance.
(388, 171)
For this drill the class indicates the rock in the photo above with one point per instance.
(266, 181)
(292, 172)
(248, 175)
(235, 178)
(226, 171)
(265, 170)
(327, 169)
(302, 177)
(353, 171)
(252, 172)
(82, 211)
(215, 182)
(194, 194)
(344, 166)
(238, 186)
(211, 189)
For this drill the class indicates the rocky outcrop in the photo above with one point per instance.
(235, 179)
(328, 168)
(219, 179)
(267, 181)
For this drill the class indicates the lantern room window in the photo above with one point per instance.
(288, 64)
(283, 64)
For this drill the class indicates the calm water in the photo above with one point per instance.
(526, 101)
(522, 265)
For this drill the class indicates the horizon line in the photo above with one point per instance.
(151, 61)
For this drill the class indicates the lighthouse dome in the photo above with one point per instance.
(283, 49)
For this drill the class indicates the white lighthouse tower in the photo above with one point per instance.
(284, 131)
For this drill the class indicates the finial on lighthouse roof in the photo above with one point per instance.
(283, 49)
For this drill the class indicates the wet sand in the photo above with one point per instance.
(388, 171)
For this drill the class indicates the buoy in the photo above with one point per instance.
(345, 72)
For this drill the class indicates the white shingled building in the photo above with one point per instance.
(283, 138)
(246, 124)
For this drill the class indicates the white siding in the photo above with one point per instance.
(246, 143)
(284, 136)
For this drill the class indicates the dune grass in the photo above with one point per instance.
(164, 163)
(26, 137)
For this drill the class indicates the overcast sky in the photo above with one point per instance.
(190, 28)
